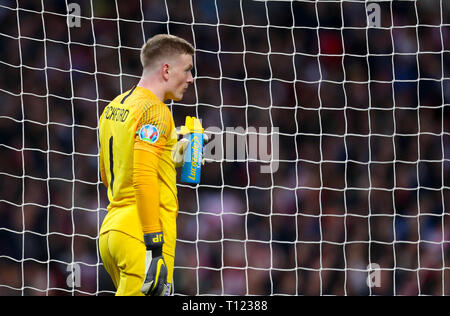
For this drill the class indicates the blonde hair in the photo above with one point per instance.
(163, 45)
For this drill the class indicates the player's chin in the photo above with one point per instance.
(178, 97)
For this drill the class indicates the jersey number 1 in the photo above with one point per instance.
(111, 164)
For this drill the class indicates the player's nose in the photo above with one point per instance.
(190, 78)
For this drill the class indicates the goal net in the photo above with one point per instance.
(328, 170)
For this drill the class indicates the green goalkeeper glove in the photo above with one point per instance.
(155, 283)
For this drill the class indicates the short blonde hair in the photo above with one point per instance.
(164, 45)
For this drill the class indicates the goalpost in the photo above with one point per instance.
(328, 167)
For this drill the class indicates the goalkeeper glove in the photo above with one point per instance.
(180, 150)
(155, 283)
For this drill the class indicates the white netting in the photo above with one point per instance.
(355, 113)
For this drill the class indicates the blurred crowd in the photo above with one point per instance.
(364, 144)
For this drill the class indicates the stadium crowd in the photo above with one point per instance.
(364, 144)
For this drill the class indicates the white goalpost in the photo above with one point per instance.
(328, 166)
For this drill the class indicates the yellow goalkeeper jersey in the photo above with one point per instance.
(135, 119)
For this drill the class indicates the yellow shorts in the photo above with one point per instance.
(123, 257)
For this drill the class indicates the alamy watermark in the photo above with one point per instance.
(373, 15)
(246, 144)
(373, 12)
(374, 277)
(239, 144)
(73, 15)
(73, 280)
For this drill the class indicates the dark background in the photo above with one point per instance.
(364, 145)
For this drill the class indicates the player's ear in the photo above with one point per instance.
(165, 71)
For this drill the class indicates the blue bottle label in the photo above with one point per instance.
(192, 167)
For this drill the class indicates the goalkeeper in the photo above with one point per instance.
(138, 141)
